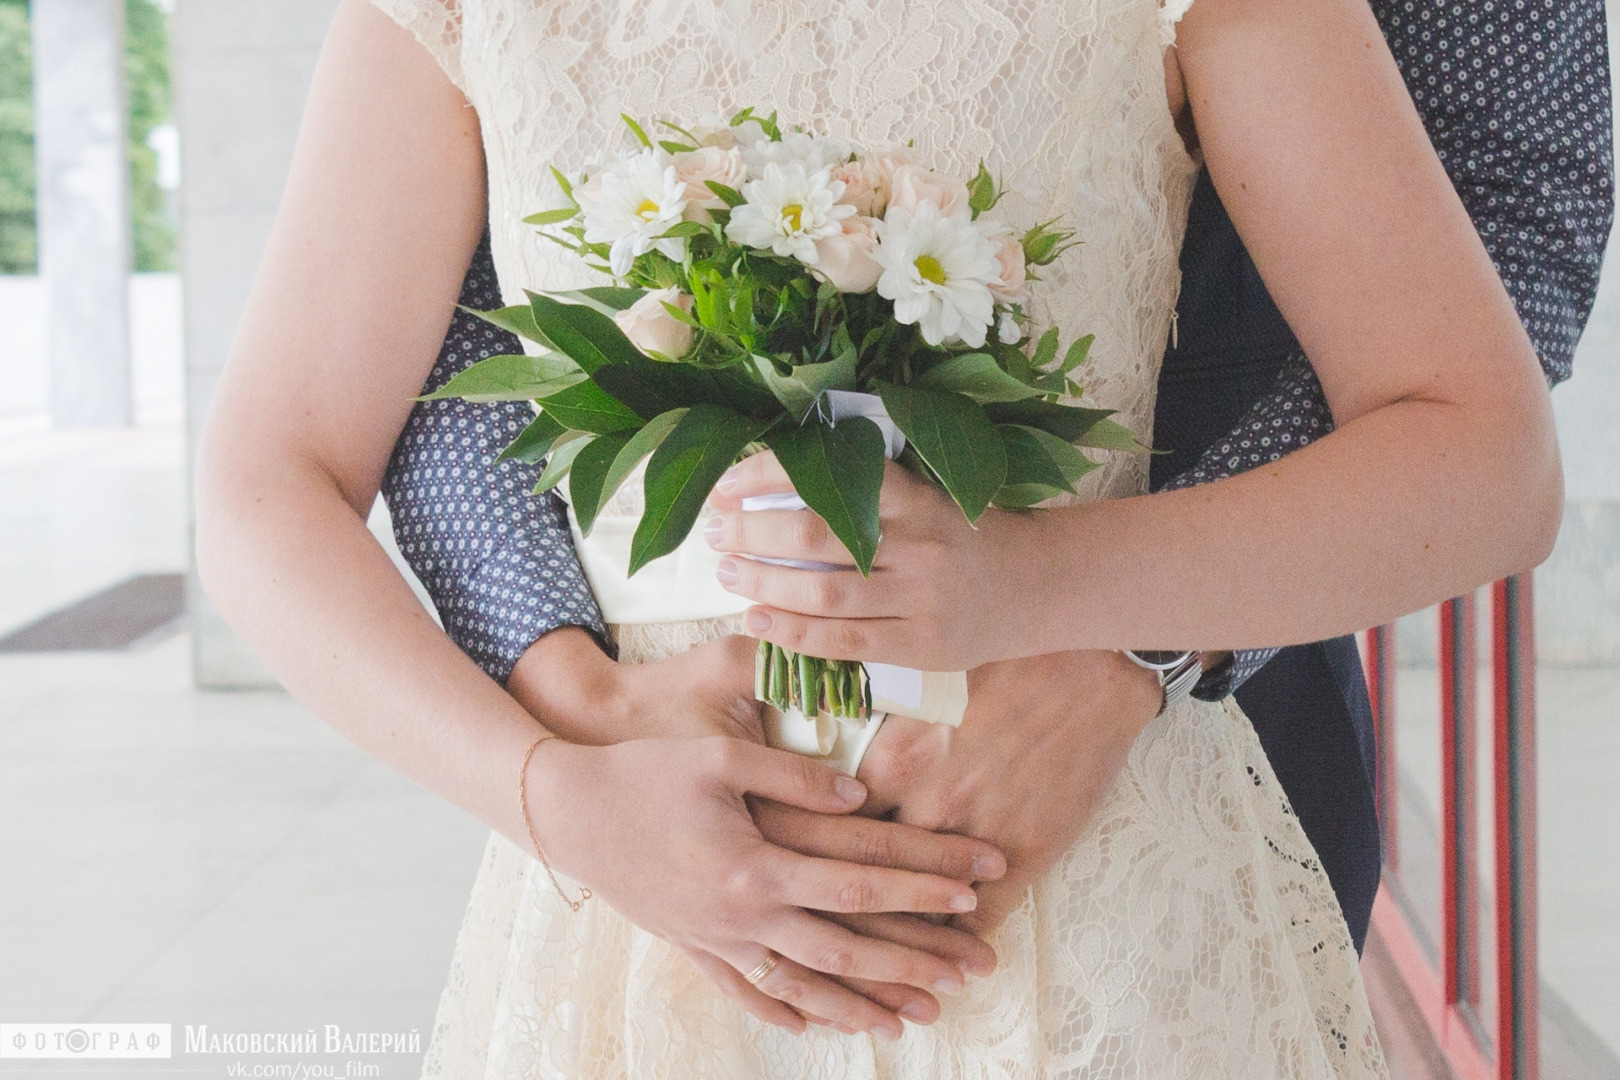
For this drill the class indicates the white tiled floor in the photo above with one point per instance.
(172, 856)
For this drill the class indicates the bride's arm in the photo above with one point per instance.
(1443, 473)
(381, 213)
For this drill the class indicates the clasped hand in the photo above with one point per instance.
(728, 849)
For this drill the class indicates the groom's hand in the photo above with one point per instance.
(1042, 742)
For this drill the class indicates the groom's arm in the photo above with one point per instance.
(497, 561)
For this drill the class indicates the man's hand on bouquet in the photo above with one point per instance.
(1042, 743)
(932, 570)
(661, 830)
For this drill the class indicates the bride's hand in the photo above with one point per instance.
(660, 829)
(931, 568)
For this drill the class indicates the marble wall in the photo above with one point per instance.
(83, 206)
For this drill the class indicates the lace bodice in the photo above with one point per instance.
(1063, 99)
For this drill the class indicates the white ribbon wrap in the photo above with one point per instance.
(682, 587)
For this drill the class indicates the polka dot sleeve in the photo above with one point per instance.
(498, 561)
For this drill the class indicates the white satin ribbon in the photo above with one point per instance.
(682, 587)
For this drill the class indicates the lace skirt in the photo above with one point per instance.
(1189, 933)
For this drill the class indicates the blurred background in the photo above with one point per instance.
(181, 843)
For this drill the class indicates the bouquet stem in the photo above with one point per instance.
(789, 680)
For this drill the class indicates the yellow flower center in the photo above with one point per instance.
(929, 269)
(647, 210)
(793, 217)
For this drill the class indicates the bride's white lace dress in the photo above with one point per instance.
(1191, 932)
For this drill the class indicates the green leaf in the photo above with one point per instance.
(510, 378)
(798, 391)
(1077, 354)
(675, 147)
(682, 472)
(838, 472)
(1107, 435)
(586, 478)
(608, 299)
(518, 320)
(1046, 349)
(635, 129)
(1066, 456)
(642, 443)
(649, 387)
(685, 228)
(955, 438)
(1067, 422)
(978, 376)
(1028, 461)
(562, 459)
(564, 184)
(1039, 466)
(533, 442)
(552, 217)
(587, 407)
(593, 339)
(1025, 496)
(728, 195)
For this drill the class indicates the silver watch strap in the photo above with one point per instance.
(1178, 672)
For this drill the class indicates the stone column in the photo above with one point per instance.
(241, 75)
(83, 200)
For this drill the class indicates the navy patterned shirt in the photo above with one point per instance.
(1514, 95)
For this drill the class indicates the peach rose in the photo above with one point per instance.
(1009, 287)
(694, 167)
(888, 162)
(846, 259)
(913, 184)
(652, 329)
(864, 187)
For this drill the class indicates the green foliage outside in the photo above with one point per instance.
(146, 53)
(17, 247)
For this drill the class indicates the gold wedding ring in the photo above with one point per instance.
(766, 966)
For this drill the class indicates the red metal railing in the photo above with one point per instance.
(1447, 982)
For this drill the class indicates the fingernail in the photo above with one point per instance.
(727, 573)
(726, 483)
(965, 902)
(981, 968)
(987, 866)
(711, 531)
(950, 984)
(915, 1011)
(850, 790)
(757, 621)
(889, 1031)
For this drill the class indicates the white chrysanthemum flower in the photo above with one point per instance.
(811, 151)
(638, 200)
(938, 270)
(788, 209)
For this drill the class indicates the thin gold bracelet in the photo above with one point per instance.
(523, 804)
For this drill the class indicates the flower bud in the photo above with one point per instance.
(652, 329)
(1010, 286)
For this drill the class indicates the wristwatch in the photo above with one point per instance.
(1178, 672)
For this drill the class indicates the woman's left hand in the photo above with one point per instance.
(943, 595)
